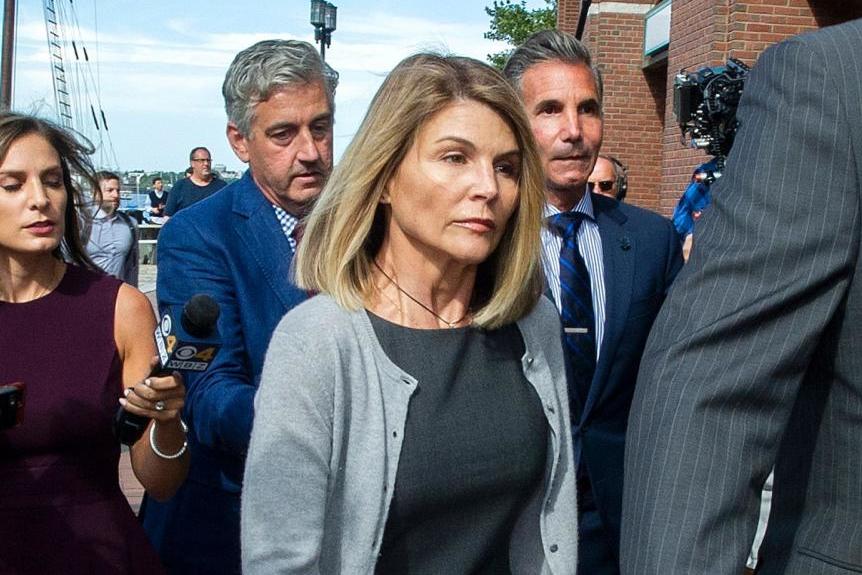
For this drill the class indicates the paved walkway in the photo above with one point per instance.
(128, 482)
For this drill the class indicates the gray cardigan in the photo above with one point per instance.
(329, 421)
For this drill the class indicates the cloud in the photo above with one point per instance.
(165, 78)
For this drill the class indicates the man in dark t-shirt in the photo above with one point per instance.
(199, 185)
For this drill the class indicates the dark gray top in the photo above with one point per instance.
(329, 418)
(474, 450)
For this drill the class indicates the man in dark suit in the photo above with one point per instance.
(631, 257)
(755, 357)
(237, 246)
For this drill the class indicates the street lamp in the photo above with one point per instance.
(323, 16)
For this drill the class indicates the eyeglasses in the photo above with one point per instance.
(605, 185)
(207, 160)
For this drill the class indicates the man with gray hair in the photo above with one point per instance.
(237, 246)
(608, 266)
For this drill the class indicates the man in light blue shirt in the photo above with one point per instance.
(111, 237)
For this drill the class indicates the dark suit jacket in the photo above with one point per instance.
(756, 357)
(641, 254)
(231, 247)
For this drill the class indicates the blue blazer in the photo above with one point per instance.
(230, 246)
(641, 254)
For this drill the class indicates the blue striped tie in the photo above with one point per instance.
(576, 303)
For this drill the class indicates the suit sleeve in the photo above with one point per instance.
(771, 264)
(674, 259)
(288, 464)
(219, 401)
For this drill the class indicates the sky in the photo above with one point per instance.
(157, 66)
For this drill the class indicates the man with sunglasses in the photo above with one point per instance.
(608, 178)
(201, 184)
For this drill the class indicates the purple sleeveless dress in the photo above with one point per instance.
(61, 508)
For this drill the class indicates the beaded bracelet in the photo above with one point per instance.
(156, 450)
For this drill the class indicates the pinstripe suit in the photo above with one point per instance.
(756, 356)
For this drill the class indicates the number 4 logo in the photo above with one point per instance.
(206, 354)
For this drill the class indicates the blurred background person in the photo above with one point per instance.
(413, 416)
(609, 177)
(158, 200)
(111, 236)
(693, 201)
(200, 184)
(77, 339)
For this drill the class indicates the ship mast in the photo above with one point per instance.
(8, 53)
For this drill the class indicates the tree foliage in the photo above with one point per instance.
(513, 22)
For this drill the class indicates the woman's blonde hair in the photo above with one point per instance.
(346, 227)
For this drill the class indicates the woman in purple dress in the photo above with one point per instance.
(81, 342)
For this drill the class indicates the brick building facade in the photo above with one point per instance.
(640, 128)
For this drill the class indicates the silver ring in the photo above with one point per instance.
(159, 406)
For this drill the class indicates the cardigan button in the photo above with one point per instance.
(550, 408)
(554, 548)
(529, 360)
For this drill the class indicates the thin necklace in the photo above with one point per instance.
(450, 324)
(55, 273)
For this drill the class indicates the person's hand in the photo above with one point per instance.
(159, 398)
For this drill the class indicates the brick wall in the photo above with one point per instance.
(639, 124)
(634, 101)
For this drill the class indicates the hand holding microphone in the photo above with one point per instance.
(159, 398)
(191, 345)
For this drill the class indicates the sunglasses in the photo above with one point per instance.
(605, 185)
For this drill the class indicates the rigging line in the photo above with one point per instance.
(92, 88)
(93, 81)
(98, 56)
(74, 74)
(76, 80)
(14, 59)
(65, 72)
(58, 73)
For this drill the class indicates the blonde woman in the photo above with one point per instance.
(413, 416)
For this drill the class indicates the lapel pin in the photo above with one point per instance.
(625, 244)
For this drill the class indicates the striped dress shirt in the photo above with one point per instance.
(590, 247)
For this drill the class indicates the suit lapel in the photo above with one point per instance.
(266, 244)
(618, 256)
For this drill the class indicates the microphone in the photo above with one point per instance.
(190, 345)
